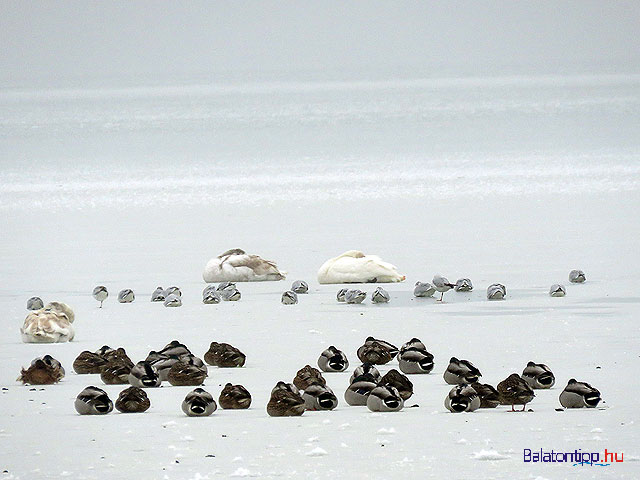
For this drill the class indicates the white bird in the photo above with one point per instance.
(442, 285)
(356, 267)
(173, 300)
(158, 295)
(577, 276)
(126, 296)
(51, 324)
(100, 294)
(423, 290)
(35, 303)
(496, 291)
(289, 297)
(355, 296)
(237, 266)
(380, 295)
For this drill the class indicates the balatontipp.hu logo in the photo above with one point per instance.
(576, 458)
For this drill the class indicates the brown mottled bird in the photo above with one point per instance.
(185, 373)
(395, 379)
(132, 400)
(234, 397)
(307, 376)
(489, 396)
(285, 401)
(377, 352)
(515, 391)
(42, 371)
(224, 355)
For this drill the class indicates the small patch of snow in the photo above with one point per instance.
(489, 455)
(245, 472)
(317, 452)
(387, 431)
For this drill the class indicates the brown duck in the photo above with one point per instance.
(515, 391)
(285, 401)
(234, 397)
(224, 355)
(133, 400)
(42, 371)
(307, 376)
(489, 396)
(376, 352)
(116, 371)
(396, 379)
(91, 362)
(185, 373)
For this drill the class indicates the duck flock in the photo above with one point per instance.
(176, 364)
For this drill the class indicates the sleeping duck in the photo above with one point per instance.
(285, 401)
(359, 389)
(199, 403)
(93, 401)
(144, 375)
(237, 266)
(366, 368)
(385, 398)
(414, 357)
(538, 375)
(115, 372)
(489, 396)
(90, 362)
(333, 360)
(319, 397)
(308, 375)
(186, 372)
(579, 394)
(234, 397)
(133, 400)
(462, 398)
(224, 355)
(42, 371)
(51, 324)
(461, 371)
(356, 267)
(377, 352)
(399, 381)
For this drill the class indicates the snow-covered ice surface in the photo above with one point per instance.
(498, 180)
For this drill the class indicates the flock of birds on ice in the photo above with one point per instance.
(176, 364)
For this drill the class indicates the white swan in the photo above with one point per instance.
(356, 267)
(51, 324)
(237, 266)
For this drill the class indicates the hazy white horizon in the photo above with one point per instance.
(73, 43)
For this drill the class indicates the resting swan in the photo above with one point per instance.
(356, 267)
(51, 324)
(237, 266)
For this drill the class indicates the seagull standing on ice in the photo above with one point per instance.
(100, 294)
(442, 285)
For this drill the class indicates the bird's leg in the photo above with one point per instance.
(523, 407)
(101, 303)
(513, 408)
(441, 295)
